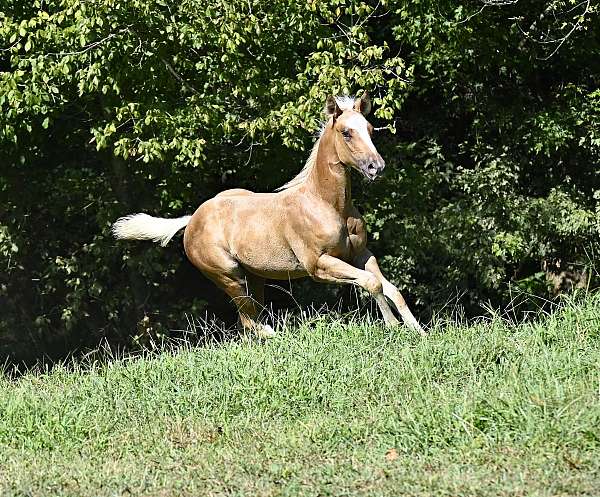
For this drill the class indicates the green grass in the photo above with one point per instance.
(326, 409)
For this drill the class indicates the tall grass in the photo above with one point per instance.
(324, 409)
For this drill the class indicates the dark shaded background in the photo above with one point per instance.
(491, 189)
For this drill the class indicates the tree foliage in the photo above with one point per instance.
(488, 112)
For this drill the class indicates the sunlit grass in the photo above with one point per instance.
(323, 409)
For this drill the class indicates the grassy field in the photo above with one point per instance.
(326, 409)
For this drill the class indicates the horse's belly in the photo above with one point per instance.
(274, 273)
(270, 260)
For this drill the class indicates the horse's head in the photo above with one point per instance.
(352, 134)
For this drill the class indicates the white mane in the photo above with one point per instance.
(344, 103)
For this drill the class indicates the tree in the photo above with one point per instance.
(487, 116)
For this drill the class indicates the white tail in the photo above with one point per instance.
(145, 227)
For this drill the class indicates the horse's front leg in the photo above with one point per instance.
(367, 261)
(333, 270)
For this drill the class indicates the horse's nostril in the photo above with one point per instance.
(372, 168)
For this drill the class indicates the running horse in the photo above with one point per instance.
(308, 227)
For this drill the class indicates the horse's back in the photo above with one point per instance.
(234, 192)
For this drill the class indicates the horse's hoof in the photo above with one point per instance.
(421, 331)
(265, 331)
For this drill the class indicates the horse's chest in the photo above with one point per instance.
(357, 234)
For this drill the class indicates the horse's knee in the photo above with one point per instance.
(372, 284)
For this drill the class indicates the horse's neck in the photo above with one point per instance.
(329, 178)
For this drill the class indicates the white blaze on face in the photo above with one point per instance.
(358, 124)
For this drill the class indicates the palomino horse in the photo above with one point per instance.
(309, 227)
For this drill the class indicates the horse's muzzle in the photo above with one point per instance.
(372, 168)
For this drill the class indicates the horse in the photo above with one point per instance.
(307, 227)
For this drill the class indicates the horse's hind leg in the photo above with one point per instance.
(368, 262)
(246, 291)
(255, 287)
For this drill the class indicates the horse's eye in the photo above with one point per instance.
(346, 134)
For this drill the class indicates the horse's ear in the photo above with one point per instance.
(363, 104)
(332, 109)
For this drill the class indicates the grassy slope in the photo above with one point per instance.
(324, 410)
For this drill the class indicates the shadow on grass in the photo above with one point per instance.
(212, 331)
(209, 330)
